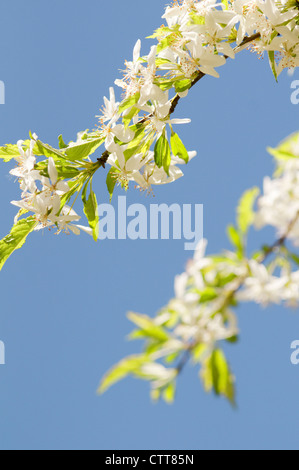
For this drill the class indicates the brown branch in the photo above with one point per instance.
(103, 159)
(280, 242)
(175, 101)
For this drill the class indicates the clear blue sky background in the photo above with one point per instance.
(64, 299)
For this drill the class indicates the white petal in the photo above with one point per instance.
(52, 171)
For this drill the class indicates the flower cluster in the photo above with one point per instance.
(202, 314)
(279, 206)
(42, 195)
(142, 147)
(198, 38)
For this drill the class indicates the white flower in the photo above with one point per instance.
(126, 170)
(25, 169)
(279, 205)
(65, 219)
(52, 184)
(262, 287)
(206, 57)
(125, 135)
(42, 205)
(130, 82)
(153, 175)
(110, 108)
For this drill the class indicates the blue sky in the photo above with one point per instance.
(64, 299)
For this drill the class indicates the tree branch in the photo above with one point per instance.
(175, 101)
(278, 244)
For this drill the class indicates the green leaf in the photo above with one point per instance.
(127, 117)
(169, 393)
(91, 211)
(164, 83)
(148, 327)
(178, 148)
(208, 295)
(285, 151)
(130, 365)
(226, 4)
(65, 170)
(162, 153)
(245, 212)
(47, 151)
(197, 19)
(183, 85)
(129, 102)
(111, 182)
(16, 239)
(271, 55)
(10, 151)
(216, 375)
(81, 150)
(62, 144)
(236, 239)
(198, 352)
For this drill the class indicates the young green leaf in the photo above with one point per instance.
(245, 212)
(148, 327)
(236, 240)
(47, 151)
(9, 152)
(62, 144)
(178, 148)
(129, 366)
(162, 153)
(81, 150)
(111, 182)
(91, 211)
(183, 85)
(216, 375)
(285, 151)
(271, 55)
(129, 102)
(169, 393)
(128, 116)
(16, 238)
